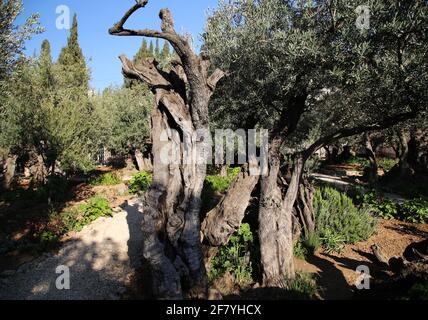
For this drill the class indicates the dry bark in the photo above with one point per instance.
(304, 207)
(371, 155)
(172, 205)
(276, 218)
(143, 163)
(222, 221)
(9, 171)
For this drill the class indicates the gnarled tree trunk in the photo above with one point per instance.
(143, 164)
(222, 221)
(403, 164)
(371, 155)
(276, 219)
(9, 171)
(304, 207)
(180, 126)
(38, 170)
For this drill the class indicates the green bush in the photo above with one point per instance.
(415, 210)
(71, 220)
(106, 179)
(333, 241)
(220, 184)
(362, 162)
(386, 163)
(312, 242)
(339, 221)
(95, 207)
(303, 286)
(140, 182)
(48, 240)
(300, 251)
(235, 257)
(379, 205)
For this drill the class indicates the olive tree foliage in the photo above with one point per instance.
(12, 36)
(44, 119)
(17, 109)
(277, 51)
(309, 73)
(12, 39)
(42, 116)
(123, 115)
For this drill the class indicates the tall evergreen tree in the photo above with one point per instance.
(72, 62)
(46, 66)
(150, 53)
(157, 50)
(165, 51)
(142, 52)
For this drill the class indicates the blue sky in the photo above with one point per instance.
(95, 17)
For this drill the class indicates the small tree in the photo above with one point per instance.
(123, 118)
(12, 39)
(72, 64)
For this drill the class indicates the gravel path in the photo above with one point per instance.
(100, 259)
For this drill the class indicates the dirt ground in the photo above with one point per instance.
(336, 273)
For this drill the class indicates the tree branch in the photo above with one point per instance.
(144, 70)
(167, 33)
(118, 27)
(348, 132)
(215, 78)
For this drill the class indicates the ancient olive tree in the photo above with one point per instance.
(180, 123)
(12, 39)
(123, 116)
(316, 76)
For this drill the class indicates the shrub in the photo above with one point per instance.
(219, 183)
(48, 240)
(140, 182)
(106, 179)
(386, 163)
(312, 242)
(235, 257)
(302, 286)
(379, 205)
(71, 220)
(300, 251)
(332, 241)
(95, 207)
(415, 210)
(339, 221)
(362, 162)
(214, 185)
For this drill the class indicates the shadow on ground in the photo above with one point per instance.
(102, 261)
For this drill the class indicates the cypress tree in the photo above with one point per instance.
(150, 53)
(45, 65)
(142, 52)
(72, 62)
(165, 51)
(157, 50)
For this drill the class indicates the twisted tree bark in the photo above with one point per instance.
(276, 218)
(180, 125)
(304, 207)
(9, 171)
(371, 155)
(222, 221)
